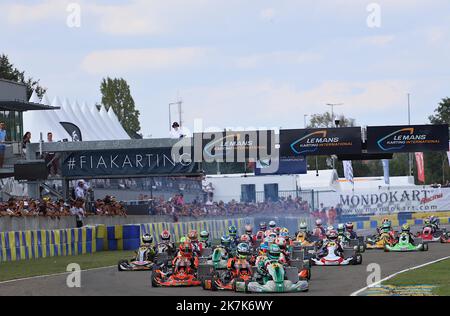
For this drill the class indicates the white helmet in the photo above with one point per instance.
(147, 239)
(319, 222)
(303, 226)
(272, 224)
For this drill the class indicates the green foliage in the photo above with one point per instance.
(442, 113)
(9, 72)
(116, 94)
(326, 120)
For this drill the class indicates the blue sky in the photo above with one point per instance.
(242, 64)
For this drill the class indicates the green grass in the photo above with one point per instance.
(52, 265)
(435, 274)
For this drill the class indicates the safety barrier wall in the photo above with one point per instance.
(371, 222)
(35, 244)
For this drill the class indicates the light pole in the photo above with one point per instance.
(179, 103)
(410, 162)
(332, 105)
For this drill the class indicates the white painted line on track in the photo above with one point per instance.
(397, 273)
(52, 275)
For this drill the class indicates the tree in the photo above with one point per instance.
(442, 113)
(326, 120)
(9, 72)
(436, 166)
(116, 94)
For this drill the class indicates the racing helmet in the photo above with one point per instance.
(386, 227)
(385, 220)
(262, 226)
(434, 220)
(332, 234)
(260, 235)
(243, 250)
(303, 227)
(263, 248)
(165, 235)
(185, 248)
(204, 235)
(225, 241)
(285, 236)
(269, 239)
(405, 228)
(193, 235)
(147, 239)
(248, 229)
(349, 226)
(267, 233)
(341, 228)
(426, 222)
(182, 240)
(281, 242)
(274, 252)
(318, 222)
(245, 238)
(232, 231)
(272, 224)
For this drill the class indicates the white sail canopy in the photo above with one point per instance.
(94, 124)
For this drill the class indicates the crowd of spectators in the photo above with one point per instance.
(54, 209)
(176, 207)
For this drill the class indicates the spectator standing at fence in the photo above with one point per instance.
(338, 212)
(26, 139)
(50, 158)
(176, 131)
(2, 143)
(331, 216)
(78, 211)
(81, 190)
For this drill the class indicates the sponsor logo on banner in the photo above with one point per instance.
(320, 141)
(373, 202)
(407, 138)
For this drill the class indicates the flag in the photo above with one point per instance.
(73, 130)
(420, 167)
(385, 163)
(448, 154)
(348, 170)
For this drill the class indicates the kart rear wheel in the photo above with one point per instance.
(154, 282)
(425, 247)
(119, 265)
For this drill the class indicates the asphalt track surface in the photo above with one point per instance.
(325, 281)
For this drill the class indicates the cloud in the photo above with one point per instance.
(380, 40)
(283, 104)
(267, 14)
(17, 14)
(276, 59)
(139, 60)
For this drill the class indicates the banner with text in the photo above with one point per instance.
(326, 141)
(414, 138)
(128, 163)
(383, 201)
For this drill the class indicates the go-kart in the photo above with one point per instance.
(278, 279)
(379, 241)
(182, 275)
(428, 235)
(355, 243)
(445, 237)
(140, 263)
(404, 244)
(331, 256)
(226, 279)
(303, 240)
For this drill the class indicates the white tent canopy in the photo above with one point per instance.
(94, 125)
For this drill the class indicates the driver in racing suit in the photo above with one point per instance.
(349, 232)
(165, 242)
(273, 255)
(331, 236)
(147, 241)
(406, 230)
(204, 239)
(196, 245)
(185, 254)
(319, 230)
(242, 253)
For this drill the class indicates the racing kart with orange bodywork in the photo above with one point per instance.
(183, 274)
